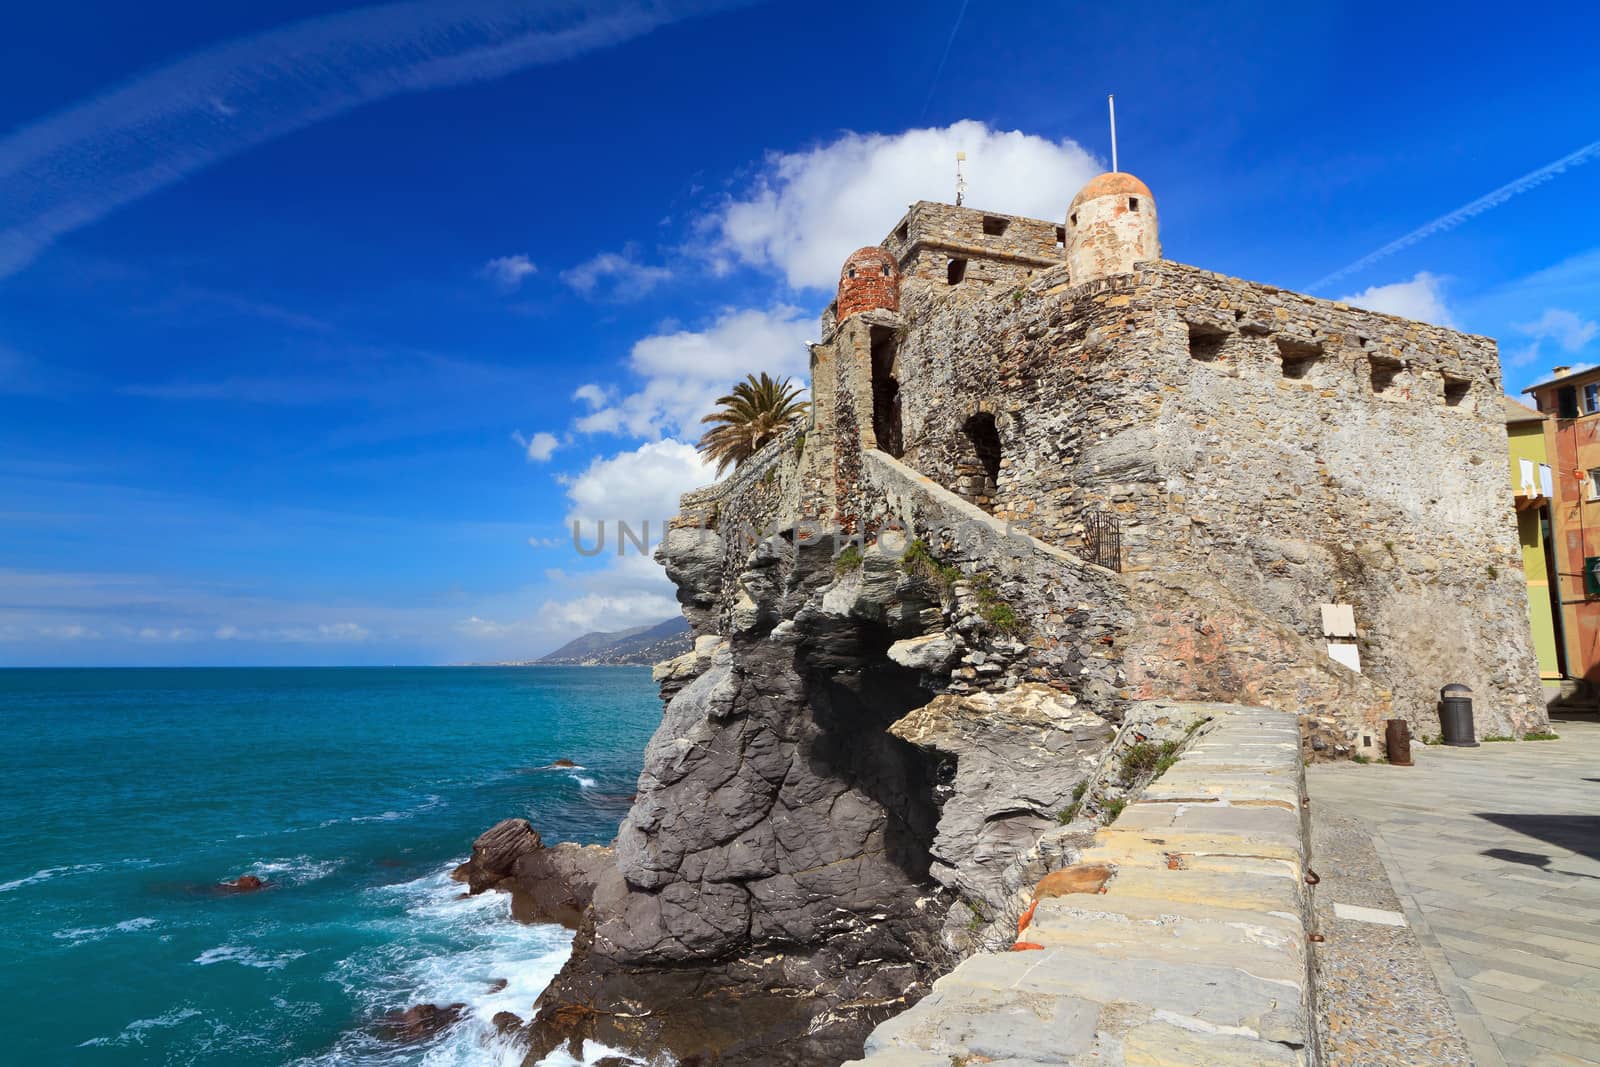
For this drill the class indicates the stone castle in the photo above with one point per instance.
(1257, 452)
(1051, 484)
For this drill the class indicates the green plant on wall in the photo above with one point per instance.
(919, 561)
(1144, 758)
(1070, 812)
(995, 609)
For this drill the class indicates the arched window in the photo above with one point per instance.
(978, 471)
(885, 394)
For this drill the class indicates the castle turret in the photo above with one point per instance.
(1111, 225)
(870, 281)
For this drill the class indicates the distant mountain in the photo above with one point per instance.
(641, 645)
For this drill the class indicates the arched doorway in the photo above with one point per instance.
(978, 470)
(885, 394)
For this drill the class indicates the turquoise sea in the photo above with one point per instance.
(125, 795)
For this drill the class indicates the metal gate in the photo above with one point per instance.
(1102, 539)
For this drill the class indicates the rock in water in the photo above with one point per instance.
(562, 763)
(245, 883)
(495, 852)
(419, 1022)
(547, 885)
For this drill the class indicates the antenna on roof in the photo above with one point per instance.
(1111, 105)
(961, 181)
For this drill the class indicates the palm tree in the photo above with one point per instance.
(752, 415)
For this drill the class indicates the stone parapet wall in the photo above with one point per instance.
(1179, 935)
(1072, 613)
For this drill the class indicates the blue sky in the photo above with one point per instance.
(319, 324)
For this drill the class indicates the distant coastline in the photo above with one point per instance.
(638, 646)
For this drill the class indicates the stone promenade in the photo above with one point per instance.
(1178, 936)
(1494, 853)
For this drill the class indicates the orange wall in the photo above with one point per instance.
(1576, 448)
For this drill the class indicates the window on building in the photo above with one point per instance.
(978, 465)
(1133, 203)
(885, 393)
(1074, 218)
(1206, 341)
(1299, 357)
(1061, 236)
(1384, 372)
(904, 231)
(1591, 398)
(851, 272)
(1566, 402)
(993, 226)
(956, 271)
(1456, 390)
(1593, 490)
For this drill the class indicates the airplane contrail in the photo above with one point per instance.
(943, 58)
(78, 165)
(1461, 214)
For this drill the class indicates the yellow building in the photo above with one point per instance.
(1532, 487)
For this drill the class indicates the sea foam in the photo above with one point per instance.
(247, 956)
(408, 969)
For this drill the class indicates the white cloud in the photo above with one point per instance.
(635, 486)
(596, 611)
(684, 371)
(593, 395)
(538, 448)
(619, 275)
(808, 210)
(1565, 328)
(78, 165)
(1421, 298)
(507, 272)
(630, 590)
(68, 632)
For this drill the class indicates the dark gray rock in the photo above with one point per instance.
(693, 558)
(770, 898)
(494, 853)
(1019, 755)
(556, 884)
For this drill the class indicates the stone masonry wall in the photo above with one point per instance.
(1297, 451)
(997, 249)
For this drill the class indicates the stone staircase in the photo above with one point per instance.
(1179, 937)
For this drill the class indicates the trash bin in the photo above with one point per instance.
(1455, 716)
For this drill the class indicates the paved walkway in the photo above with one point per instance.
(1495, 855)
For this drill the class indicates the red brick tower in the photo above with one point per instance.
(869, 281)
